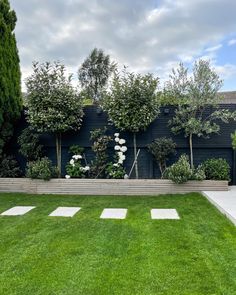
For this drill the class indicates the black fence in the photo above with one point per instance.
(218, 145)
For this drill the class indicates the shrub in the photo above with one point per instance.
(99, 147)
(179, 172)
(9, 167)
(115, 170)
(74, 168)
(41, 169)
(29, 144)
(233, 137)
(161, 149)
(198, 173)
(217, 169)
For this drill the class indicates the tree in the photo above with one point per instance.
(10, 89)
(198, 110)
(95, 72)
(162, 148)
(132, 103)
(54, 105)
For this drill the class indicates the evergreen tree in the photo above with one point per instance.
(10, 90)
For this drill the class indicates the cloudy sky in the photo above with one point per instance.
(145, 35)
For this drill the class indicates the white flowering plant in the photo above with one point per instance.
(75, 167)
(116, 169)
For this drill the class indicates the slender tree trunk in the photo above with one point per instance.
(135, 156)
(191, 149)
(58, 149)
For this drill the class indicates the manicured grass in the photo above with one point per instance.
(87, 255)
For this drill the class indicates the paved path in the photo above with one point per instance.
(224, 201)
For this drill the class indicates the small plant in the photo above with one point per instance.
(198, 173)
(9, 167)
(233, 137)
(74, 168)
(116, 169)
(180, 171)
(99, 147)
(217, 169)
(162, 148)
(29, 144)
(41, 169)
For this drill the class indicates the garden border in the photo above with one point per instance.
(108, 186)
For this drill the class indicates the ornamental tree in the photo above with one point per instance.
(197, 112)
(132, 103)
(95, 72)
(10, 89)
(54, 105)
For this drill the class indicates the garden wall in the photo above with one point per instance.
(218, 145)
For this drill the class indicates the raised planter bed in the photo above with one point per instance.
(108, 186)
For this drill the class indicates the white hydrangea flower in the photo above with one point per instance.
(116, 165)
(117, 147)
(122, 141)
(123, 157)
(79, 157)
(120, 154)
(72, 161)
(126, 176)
(117, 134)
(117, 139)
(123, 149)
(86, 168)
(120, 161)
(67, 176)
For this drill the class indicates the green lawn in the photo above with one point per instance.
(87, 255)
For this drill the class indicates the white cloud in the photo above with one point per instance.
(140, 34)
(213, 48)
(232, 42)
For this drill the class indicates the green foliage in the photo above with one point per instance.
(29, 144)
(9, 167)
(181, 171)
(54, 105)
(198, 173)
(99, 147)
(217, 169)
(74, 168)
(10, 78)
(233, 137)
(115, 171)
(194, 96)
(95, 72)
(41, 169)
(162, 148)
(132, 103)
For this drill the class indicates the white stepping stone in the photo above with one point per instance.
(113, 213)
(18, 210)
(164, 214)
(65, 211)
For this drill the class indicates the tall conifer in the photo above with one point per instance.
(10, 89)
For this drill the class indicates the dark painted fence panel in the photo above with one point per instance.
(218, 145)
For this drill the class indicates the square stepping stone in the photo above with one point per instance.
(113, 213)
(65, 211)
(18, 210)
(164, 214)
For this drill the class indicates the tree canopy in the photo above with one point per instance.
(10, 77)
(95, 72)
